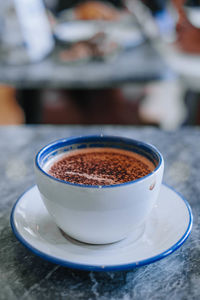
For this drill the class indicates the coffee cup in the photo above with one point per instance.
(99, 213)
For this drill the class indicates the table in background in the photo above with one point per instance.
(23, 275)
(138, 65)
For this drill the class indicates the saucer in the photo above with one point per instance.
(166, 229)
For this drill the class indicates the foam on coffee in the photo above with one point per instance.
(99, 166)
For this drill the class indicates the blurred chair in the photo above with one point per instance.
(10, 112)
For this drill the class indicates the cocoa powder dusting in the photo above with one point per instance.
(99, 167)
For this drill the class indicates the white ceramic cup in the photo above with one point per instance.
(93, 214)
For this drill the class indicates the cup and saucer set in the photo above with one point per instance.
(101, 228)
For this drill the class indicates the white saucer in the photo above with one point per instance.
(166, 229)
(75, 31)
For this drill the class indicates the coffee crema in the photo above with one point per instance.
(100, 166)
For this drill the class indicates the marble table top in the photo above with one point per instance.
(136, 65)
(24, 275)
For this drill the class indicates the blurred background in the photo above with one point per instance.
(129, 62)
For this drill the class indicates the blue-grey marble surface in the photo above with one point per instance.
(23, 275)
(140, 64)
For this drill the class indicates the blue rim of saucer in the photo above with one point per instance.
(85, 267)
(97, 141)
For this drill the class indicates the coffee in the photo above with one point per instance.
(100, 166)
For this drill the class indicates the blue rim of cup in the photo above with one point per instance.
(85, 267)
(59, 144)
